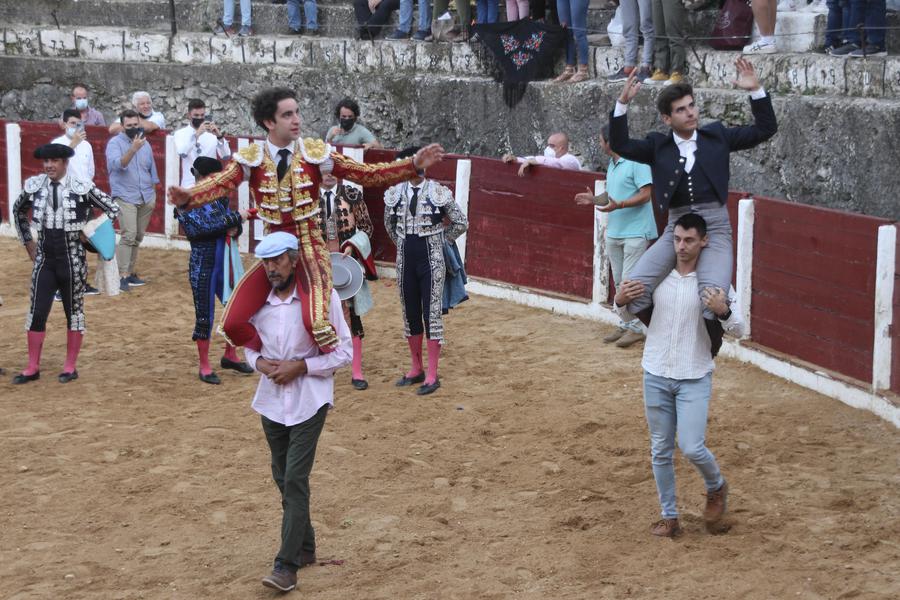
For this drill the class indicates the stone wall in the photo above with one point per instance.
(832, 151)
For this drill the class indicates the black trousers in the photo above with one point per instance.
(416, 284)
(372, 24)
(56, 269)
(293, 453)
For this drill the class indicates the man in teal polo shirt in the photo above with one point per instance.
(631, 225)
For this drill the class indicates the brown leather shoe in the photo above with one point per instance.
(716, 503)
(666, 528)
(281, 579)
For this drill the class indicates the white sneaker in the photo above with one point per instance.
(760, 47)
(786, 5)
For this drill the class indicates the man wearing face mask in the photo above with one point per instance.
(556, 155)
(350, 132)
(89, 116)
(132, 181)
(150, 119)
(201, 138)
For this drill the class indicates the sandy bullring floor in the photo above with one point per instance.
(526, 476)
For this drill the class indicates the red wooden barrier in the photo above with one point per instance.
(814, 284)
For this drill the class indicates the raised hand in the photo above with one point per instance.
(428, 156)
(746, 75)
(178, 196)
(631, 87)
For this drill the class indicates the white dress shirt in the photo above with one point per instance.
(284, 337)
(189, 146)
(82, 164)
(678, 345)
(566, 161)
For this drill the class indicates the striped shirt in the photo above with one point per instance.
(678, 346)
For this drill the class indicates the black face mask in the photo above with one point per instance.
(133, 132)
(197, 122)
(347, 123)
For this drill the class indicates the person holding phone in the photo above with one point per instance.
(202, 137)
(132, 181)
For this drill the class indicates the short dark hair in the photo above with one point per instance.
(128, 113)
(349, 103)
(69, 113)
(265, 104)
(195, 103)
(80, 85)
(670, 94)
(692, 221)
(407, 152)
(604, 131)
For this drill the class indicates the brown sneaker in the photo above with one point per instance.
(716, 503)
(630, 338)
(666, 528)
(281, 579)
(615, 335)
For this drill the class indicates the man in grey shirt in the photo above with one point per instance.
(132, 182)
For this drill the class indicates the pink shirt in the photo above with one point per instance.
(280, 326)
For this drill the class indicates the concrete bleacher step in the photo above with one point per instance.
(791, 73)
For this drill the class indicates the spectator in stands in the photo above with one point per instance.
(631, 225)
(349, 131)
(668, 24)
(81, 165)
(486, 11)
(227, 24)
(556, 154)
(872, 16)
(573, 16)
(201, 138)
(151, 120)
(310, 11)
(372, 16)
(132, 183)
(636, 14)
(404, 27)
(462, 31)
(764, 15)
(89, 115)
(838, 18)
(516, 10)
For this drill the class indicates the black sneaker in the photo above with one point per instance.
(868, 51)
(123, 285)
(135, 281)
(844, 50)
(397, 35)
(421, 35)
(281, 579)
(90, 290)
(57, 297)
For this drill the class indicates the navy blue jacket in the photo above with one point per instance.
(715, 142)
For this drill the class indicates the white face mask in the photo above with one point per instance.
(70, 131)
(81, 103)
(549, 152)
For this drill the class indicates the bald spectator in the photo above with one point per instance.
(151, 120)
(556, 154)
(80, 101)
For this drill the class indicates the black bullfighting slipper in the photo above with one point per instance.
(23, 378)
(428, 388)
(240, 367)
(211, 378)
(360, 384)
(405, 381)
(67, 377)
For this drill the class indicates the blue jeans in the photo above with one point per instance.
(406, 13)
(486, 11)
(228, 13)
(309, 8)
(678, 406)
(838, 17)
(573, 15)
(870, 13)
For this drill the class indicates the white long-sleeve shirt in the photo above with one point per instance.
(189, 146)
(566, 161)
(284, 337)
(678, 345)
(82, 164)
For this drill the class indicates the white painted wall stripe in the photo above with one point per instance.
(244, 204)
(173, 177)
(885, 268)
(599, 293)
(744, 275)
(463, 179)
(13, 165)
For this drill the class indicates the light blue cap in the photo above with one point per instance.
(275, 244)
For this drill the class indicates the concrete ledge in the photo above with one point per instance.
(787, 73)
